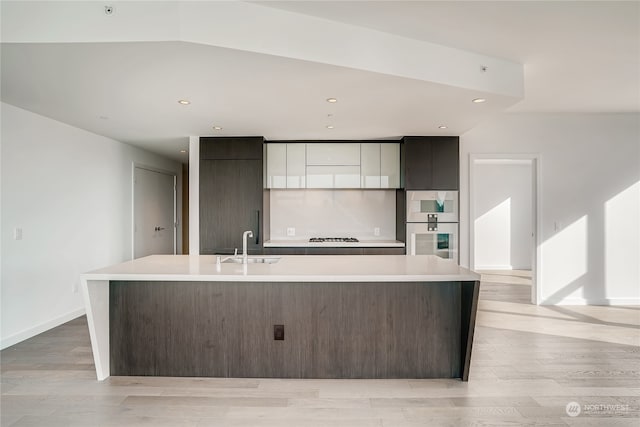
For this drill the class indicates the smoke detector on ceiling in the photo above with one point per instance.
(108, 10)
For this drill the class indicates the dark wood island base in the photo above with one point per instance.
(331, 329)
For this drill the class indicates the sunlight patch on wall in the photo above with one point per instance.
(622, 243)
(492, 240)
(565, 260)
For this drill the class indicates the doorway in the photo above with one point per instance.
(504, 217)
(154, 211)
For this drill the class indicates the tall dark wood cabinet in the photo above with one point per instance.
(230, 194)
(431, 162)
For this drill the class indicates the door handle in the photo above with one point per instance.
(258, 227)
(158, 228)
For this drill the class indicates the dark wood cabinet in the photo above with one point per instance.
(231, 148)
(312, 251)
(230, 198)
(401, 215)
(333, 251)
(332, 330)
(284, 251)
(383, 251)
(430, 162)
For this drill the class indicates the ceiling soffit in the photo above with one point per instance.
(255, 28)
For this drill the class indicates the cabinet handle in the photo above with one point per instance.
(258, 227)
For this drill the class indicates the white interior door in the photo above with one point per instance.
(154, 213)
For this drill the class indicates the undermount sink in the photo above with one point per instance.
(252, 260)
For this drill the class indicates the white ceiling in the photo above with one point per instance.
(129, 92)
(577, 56)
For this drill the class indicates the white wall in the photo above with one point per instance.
(502, 214)
(333, 213)
(590, 200)
(194, 195)
(70, 191)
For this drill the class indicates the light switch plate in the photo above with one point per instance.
(376, 231)
(17, 233)
(291, 231)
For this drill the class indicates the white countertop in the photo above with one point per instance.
(291, 268)
(308, 244)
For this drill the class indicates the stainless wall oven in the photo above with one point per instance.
(429, 206)
(432, 223)
(439, 239)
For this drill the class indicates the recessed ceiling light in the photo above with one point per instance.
(329, 127)
(332, 100)
(479, 100)
(442, 127)
(183, 102)
(217, 128)
(183, 151)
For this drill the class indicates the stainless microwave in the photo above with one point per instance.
(432, 206)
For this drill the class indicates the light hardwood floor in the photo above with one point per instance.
(528, 364)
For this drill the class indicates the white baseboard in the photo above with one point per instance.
(604, 301)
(38, 329)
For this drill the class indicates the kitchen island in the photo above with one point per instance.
(374, 316)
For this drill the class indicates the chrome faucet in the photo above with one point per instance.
(246, 234)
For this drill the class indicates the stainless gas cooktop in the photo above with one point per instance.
(333, 239)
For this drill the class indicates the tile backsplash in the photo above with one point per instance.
(333, 213)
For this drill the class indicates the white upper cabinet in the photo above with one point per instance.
(276, 166)
(370, 165)
(332, 165)
(333, 176)
(380, 167)
(296, 166)
(327, 154)
(389, 165)
(286, 165)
